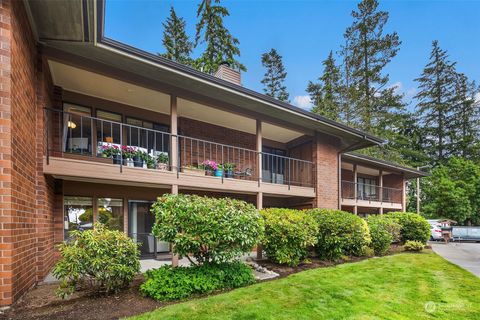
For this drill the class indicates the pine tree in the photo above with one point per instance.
(326, 95)
(221, 46)
(175, 39)
(436, 100)
(275, 75)
(466, 119)
(369, 51)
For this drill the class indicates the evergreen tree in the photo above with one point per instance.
(275, 75)
(435, 104)
(466, 119)
(369, 51)
(221, 46)
(175, 39)
(326, 95)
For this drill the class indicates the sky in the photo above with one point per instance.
(304, 32)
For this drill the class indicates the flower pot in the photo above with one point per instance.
(137, 162)
(218, 173)
(229, 174)
(162, 166)
(117, 159)
(130, 163)
(209, 173)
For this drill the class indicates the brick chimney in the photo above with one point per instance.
(228, 74)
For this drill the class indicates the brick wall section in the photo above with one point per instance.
(393, 181)
(325, 158)
(26, 215)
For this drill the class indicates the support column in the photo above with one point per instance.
(174, 131)
(259, 151)
(418, 192)
(174, 256)
(380, 197)
(404, 195)
(259, 207)
(355, 189)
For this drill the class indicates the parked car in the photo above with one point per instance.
(436, 232)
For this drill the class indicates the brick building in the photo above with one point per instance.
(68, 92)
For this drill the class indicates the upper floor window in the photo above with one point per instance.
(366, 188)
(77, 129)
(108, 127)
(147, 135)
(273, 165)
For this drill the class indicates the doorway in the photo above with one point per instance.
(140, 223)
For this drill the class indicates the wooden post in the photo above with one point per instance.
(259, 207)
(259, 151)
(355, 188)
(380, 173)
(404, 195)
(174, 131)
(174, 256)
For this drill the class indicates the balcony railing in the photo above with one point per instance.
(370, 192)
(74, 134)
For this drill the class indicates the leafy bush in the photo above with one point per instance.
(104, 260)
(383, 231)
(288, 234)
(412, 226)
(212, 230)
(413, 246)
(167, 283)
(340, 233)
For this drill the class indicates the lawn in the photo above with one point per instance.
(402, 286)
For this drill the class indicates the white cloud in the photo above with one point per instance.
(303, 102)
(400, 89)
(477, 97)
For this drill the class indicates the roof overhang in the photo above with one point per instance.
(408, 173)
(98, 52)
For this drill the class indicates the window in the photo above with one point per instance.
(110, 213)
(77, 129)
(108, 127)
(273, 165)
(78, 214)
(366, 188)
(149, 139)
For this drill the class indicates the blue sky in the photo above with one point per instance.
(304, 32)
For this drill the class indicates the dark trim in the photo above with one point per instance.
(204, 76)
(86, 33)
(392, 165)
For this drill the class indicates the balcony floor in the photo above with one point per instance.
(371, 204)
(90, 171)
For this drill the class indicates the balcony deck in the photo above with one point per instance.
(378, 197)
(69, 168)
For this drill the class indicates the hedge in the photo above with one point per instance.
(168, 283)
(412, 226)
(288, 235)
(340, 234)
(383, 231)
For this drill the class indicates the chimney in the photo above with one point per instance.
(228, 74)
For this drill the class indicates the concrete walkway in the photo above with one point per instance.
(465, 255)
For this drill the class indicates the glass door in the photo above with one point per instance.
(140, 223)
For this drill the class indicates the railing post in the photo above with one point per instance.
(222, 163)
(121, 148)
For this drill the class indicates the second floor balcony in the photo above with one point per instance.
(146, 150)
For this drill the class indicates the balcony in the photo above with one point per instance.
(81, 147)
(369, 195)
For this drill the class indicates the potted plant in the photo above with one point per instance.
(128, 153)
(112, 151)
(149, 161)
(138, 156)
(219, 170)
(229, 169)
(193, 170)
(162, 161)
(210, 167)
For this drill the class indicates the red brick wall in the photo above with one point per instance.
(393, 181)
(27, 197)
(325, 158)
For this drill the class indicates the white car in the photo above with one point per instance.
(436, 232)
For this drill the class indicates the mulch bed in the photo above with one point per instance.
(41, 302)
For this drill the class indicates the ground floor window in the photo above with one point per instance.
(78, 214)
(110, 213)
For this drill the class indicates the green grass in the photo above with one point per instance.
(393, 287)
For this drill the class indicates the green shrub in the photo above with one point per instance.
(412, 226)
(288, 234)
(340, 233)
(383, 231)
(100, 259)
(167, 283)
(411, 245)
(212, 230)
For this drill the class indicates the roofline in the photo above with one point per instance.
(142, 55)
(356, 156)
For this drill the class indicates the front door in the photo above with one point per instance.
(140, 223)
